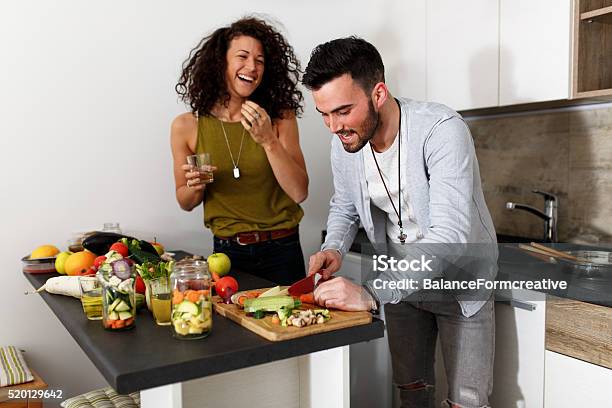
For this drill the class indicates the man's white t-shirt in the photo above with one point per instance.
(388, 162)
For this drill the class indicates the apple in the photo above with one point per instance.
(219, 263)
(158, 247)
(60, 260)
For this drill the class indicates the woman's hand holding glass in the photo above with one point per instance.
(199, 171)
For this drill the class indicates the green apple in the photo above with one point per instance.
(60, 260)
(219, 263)
(158, 247)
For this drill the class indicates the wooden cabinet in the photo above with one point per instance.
(592, 51)
(534, 51)
(574, 383)
(462, 53)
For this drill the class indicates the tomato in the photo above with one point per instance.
(121, 248)
(99, 261)
(140, 285)
(226, 287)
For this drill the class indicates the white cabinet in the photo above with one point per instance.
(534, 50)
(462, 53)
(518, 379)
(575, 383)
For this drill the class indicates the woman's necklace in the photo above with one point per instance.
(235, 163)
(398, 211)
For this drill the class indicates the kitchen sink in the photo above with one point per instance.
(506, 239)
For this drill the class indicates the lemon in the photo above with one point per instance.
(44, 251)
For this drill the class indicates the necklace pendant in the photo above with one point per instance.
(236, 173)
(402, 237)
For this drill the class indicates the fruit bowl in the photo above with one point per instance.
(38, 265)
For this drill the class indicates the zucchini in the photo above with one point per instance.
(270, 304)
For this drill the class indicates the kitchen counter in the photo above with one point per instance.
(516, 265)
(148, 356)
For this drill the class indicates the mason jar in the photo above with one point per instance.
(191, 315)
(118, 302)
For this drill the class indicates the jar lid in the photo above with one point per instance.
(192, 269)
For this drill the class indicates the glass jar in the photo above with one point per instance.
(118, 301)
(111, 227)
(191, 315)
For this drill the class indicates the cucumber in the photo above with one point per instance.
(187, 307)
(113, 305)
(121, 306)
(113, 316)
(269, 304)
(124, 315)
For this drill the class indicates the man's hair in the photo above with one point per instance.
(350, 55)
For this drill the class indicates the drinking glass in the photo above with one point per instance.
(202, 162)
(161, 296)
(91, 297)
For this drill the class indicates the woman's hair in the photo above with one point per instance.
(350, 55)
(202, 83)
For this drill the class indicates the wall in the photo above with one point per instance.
(567, 152)
(87, 99)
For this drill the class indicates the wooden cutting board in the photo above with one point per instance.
(275, 332)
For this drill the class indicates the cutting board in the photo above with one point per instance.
(275, 332)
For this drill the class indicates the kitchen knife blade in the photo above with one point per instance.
(302, 286)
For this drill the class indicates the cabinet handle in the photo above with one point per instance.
(519, 304)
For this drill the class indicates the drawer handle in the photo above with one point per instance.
(519, 304)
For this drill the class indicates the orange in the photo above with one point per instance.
(79, 262)
(44, 251)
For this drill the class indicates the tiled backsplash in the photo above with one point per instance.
(566, 152)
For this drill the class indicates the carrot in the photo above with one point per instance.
(307, 298)
(275, 319)
(241, 300)
(192, 296)
(215, 276)
(119, 324)
(177, 297)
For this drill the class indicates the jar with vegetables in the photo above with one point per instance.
(118, 297)
(191, 300)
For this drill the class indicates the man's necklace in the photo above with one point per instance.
(235, 163)
(398, 211)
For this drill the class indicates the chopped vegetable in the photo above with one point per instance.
(270, 304)
(307, 298)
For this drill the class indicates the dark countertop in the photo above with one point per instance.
(516, 265)
(148, 356)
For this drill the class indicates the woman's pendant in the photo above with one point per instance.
(236, 173)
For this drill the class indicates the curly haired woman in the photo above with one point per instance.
(241, 85)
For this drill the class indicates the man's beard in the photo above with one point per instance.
(368, 129)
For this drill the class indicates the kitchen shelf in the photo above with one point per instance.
(592, 49)
(602, 15)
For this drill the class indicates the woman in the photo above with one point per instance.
(241, 85)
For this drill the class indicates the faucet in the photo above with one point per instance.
(549, 215)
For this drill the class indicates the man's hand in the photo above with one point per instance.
(325, 262)
(341, 293)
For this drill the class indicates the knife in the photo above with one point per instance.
(303, 286)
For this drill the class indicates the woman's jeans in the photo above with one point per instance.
(280, 260)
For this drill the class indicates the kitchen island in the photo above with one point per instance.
(150, 360)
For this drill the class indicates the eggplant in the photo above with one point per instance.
(100, 242)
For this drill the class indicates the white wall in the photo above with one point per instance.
(86, 99)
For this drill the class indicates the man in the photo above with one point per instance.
(407, 172)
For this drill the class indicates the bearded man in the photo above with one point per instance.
(406, 171)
